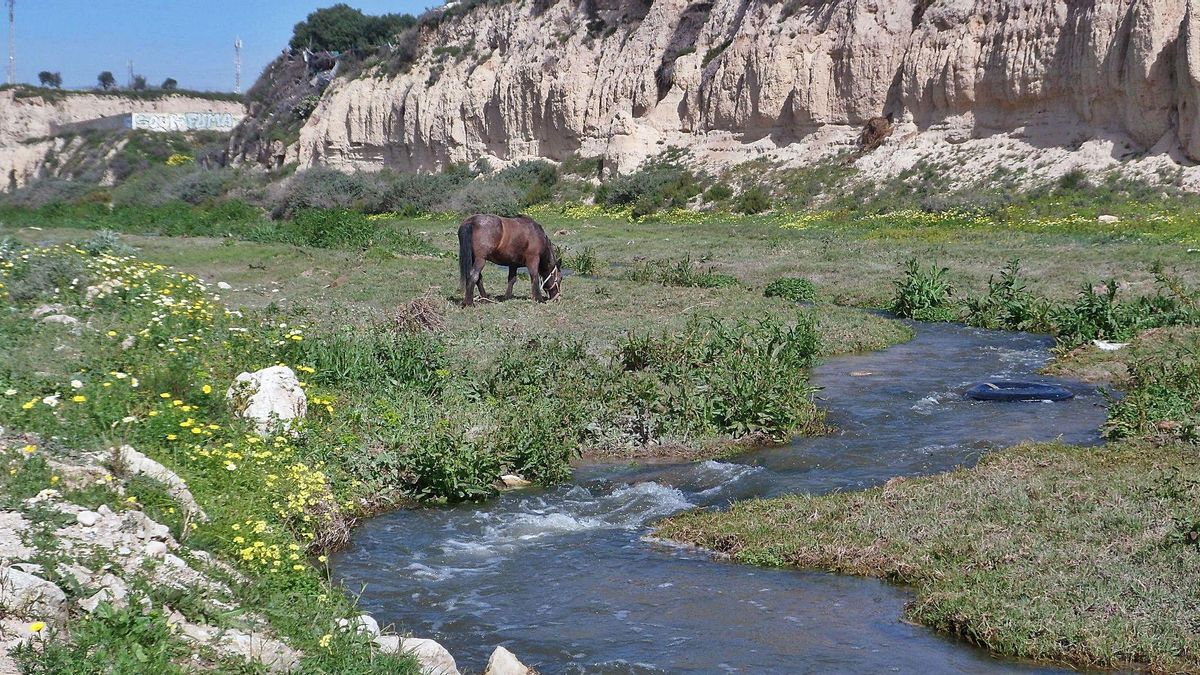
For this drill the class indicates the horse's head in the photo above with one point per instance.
(552, 284)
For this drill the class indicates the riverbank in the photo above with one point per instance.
(104, 350)
(1079, 555)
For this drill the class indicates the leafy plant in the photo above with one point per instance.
(795, 289)
(1007, 304)
(923, 294)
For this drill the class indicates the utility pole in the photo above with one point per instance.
(237, 65)
(129, 82)
(12, 43)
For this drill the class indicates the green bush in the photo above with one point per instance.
(583, 263)
(795, 289)
(659, 184)
(1007, 304)
(680, 272)
(484, 196)
(323, 188)
(1162, 397)
(734, 378)
(330, 228)
(718, 192)
(754, 200)
(923, 294)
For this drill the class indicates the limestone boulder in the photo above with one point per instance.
(25, 595)
(504, 662)
(272, 398)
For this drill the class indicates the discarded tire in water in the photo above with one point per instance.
(1018, 391)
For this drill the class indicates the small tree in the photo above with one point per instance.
(106, 80)
(170, 84)
(49, 79)
(139, 83)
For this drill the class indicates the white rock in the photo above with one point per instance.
(1106, 346)
(503, 662)
(137, 463)
(144, 527)
(156, 549)
(87, 518)
(223, 286)
(271, 396)
(114, 596)
(1107, 219)
(433, 657)
(26, 595)
(61, 319)
(12, 526)
(514, 481)
(363, 624)
(43, 310)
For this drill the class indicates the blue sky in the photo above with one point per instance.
(191, 41)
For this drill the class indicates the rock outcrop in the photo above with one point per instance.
(29, 120)
(271, 397)
(796, 81)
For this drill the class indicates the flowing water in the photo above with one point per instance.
(566, 579)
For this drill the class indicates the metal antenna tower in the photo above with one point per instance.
(12, 44)
(237, 64)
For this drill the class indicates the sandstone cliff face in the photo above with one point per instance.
(27, 123)
(794, 79)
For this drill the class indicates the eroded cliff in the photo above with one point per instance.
(795, 80)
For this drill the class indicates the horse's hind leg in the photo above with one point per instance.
(512, 280)
(477, 275)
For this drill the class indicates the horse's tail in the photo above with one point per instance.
(466, 255)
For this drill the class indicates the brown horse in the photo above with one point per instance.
(513, 242)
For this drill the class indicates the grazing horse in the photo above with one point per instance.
(513, 242)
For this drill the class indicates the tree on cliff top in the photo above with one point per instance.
(49, 79)
(170, 84)
(342, 27)
(106, 80)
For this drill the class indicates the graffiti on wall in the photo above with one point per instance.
(193, 121)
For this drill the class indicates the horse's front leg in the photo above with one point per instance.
(536, 279)
(512, 281)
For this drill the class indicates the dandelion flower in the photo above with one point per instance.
(79, 398)
(206, 389)
(37, 626)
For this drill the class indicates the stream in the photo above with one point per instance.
(565, 579)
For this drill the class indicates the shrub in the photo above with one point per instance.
(415, 194)
(661, 183)
(735, 378)
(323, 188)
(329, 228)
(583, 263)
(923, 294)
(484, 196)
(680, 272)
(719, 192)
(794, 289)
(1161, 401)
(1007, 305)
(754, 200)
(534, 181)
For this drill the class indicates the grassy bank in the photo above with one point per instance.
(1085, 556)
(424, 403)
